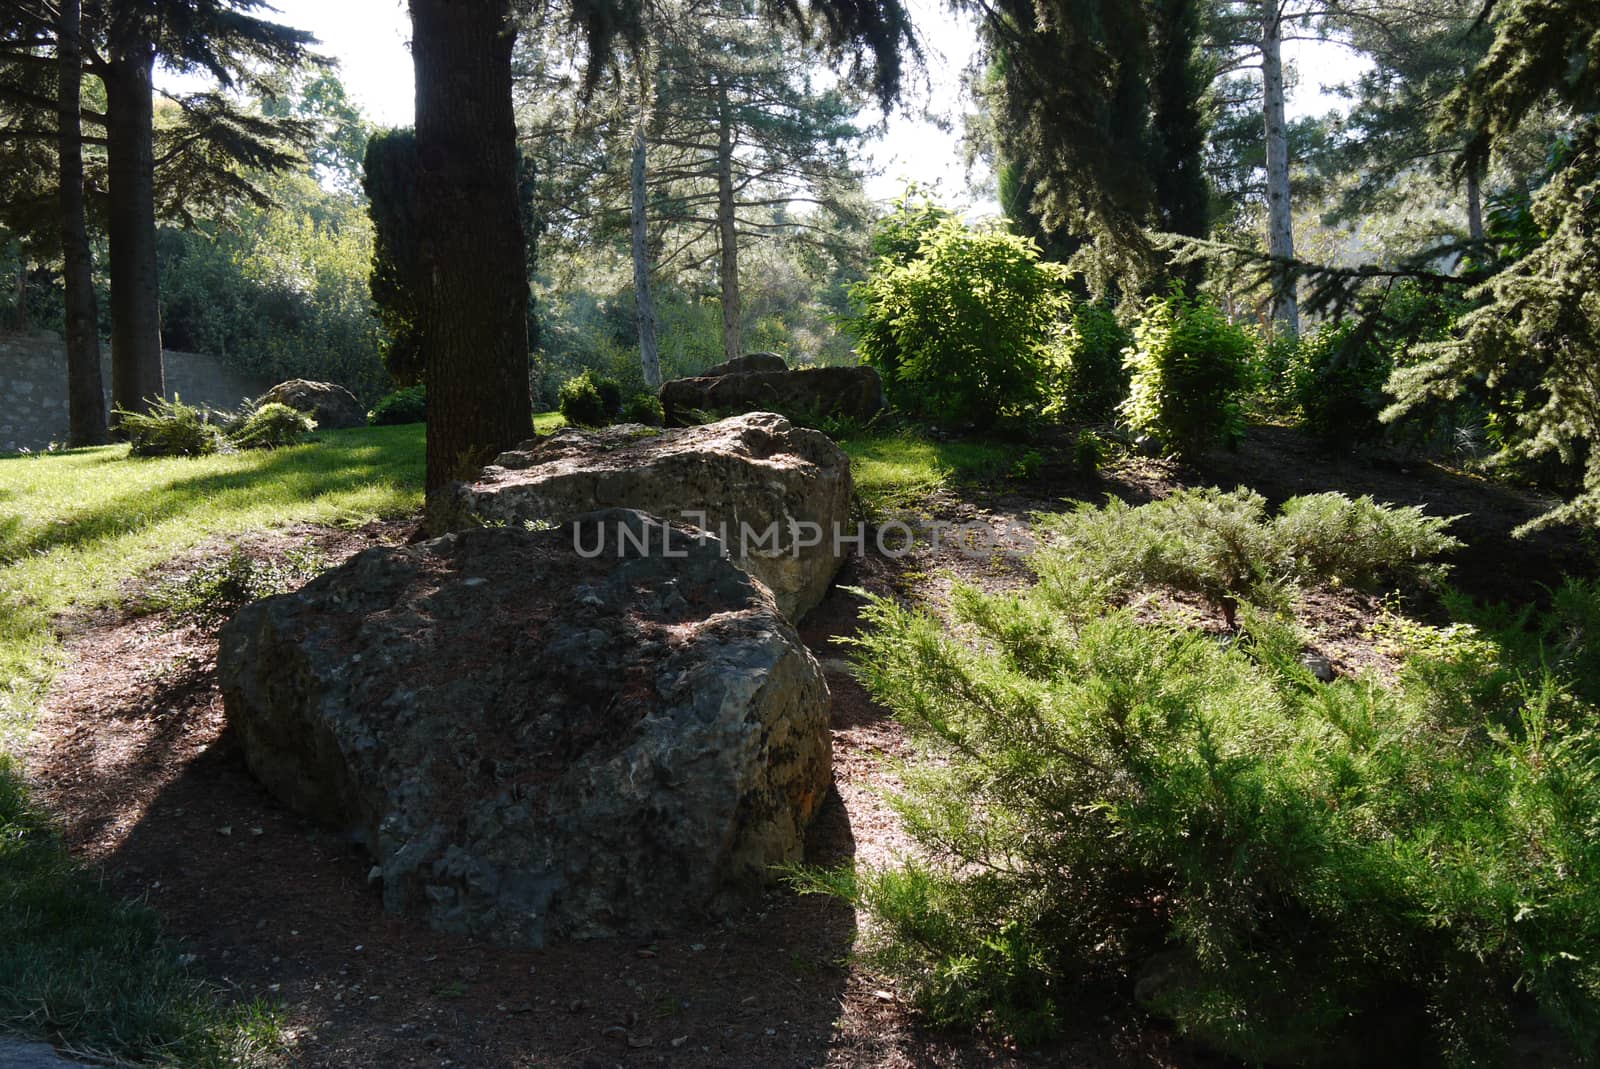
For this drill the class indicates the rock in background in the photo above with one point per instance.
(753, 384)
(534, 744)
(331, 405)
(747, 477)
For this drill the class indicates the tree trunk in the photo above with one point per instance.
(1280, 217)
(136, 374)
(644, 301)
(727, 233)
(19, 294)
(1474, 202)
(473, 313)
(86, 399)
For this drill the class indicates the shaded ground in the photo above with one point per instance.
(132, 754)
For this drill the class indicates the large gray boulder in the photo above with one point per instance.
(809, 393)
(540, 735)
(776, 494)
(331, 405)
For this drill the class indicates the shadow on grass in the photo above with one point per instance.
(339, 463)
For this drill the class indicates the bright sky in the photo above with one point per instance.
(369, 39)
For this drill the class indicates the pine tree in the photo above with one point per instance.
(474, 343)
(1540, 311)
(1115, 148)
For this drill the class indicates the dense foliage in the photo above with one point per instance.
(171, 429)
(1190, 366)
(1093, 376)
(1287, 868)
(271, 426)
(406, 405)
(389, 179)
(961, 332)
(587, 401)
(280, 292)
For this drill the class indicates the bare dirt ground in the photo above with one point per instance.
(133, 756)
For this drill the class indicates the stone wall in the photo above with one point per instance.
(33, 387)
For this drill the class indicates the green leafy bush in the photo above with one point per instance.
(1094, 377)
(1336, 378)
(1224, 548)
(1088, 452)
(582, 403)
(408, 405)
(1297, 873)
(610, 391)
(1189, 367)
(960, 333)
(644, 408)
(170, 429)
(272, 426)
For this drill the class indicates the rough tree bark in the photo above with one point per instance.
(728, 233)
(1280, 218)
(1475, 202)
(86, 400)
(644, 302)
(136, 373)
(474, 300)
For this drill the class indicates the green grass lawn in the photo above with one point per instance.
(893, 472)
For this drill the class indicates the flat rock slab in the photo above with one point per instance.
(777, 495)
(19, 1054)
(840, 392)
(534, 743)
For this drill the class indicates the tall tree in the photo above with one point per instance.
(86, 402)
(473, 304)
(1538, 309)
(639, 223)
(1115, 148)
(476, 349)
(1280, 209)
(129, 76)
(1420, 53)
(217, 36)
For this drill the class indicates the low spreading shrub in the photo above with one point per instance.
(217, 589)
(272, 426)
(409, 405)
(1224, 548)
(170, 429)
(1189, 368)
(1298, 873)
(582, 403)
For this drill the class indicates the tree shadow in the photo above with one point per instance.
(339, 466)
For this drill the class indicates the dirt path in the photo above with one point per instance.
(133, 756)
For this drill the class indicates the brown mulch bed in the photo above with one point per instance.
(133, 756)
